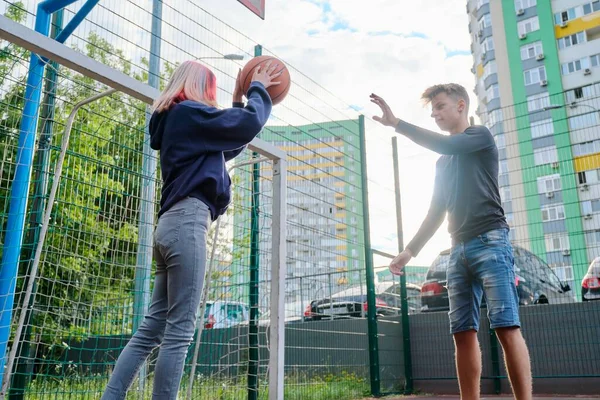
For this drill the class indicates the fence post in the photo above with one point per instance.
(254, 276)
(495, 357)
(143, 268)
(406, 347)
(370, 275)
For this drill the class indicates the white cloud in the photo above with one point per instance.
(352, 63)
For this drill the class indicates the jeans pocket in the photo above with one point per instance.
(495, 237)
(168, 228)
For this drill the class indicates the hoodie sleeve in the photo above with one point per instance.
(232, 128)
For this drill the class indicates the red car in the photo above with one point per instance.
(590, 285)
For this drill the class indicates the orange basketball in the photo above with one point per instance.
(277, 92)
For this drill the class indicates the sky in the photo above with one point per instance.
(352, 48)
(395, 48)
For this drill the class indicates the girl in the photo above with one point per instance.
(195, 139)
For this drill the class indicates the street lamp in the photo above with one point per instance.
(225, 57)
(573, 104)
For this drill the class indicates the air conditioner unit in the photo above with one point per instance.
(540, 57)
(564, 24)
(587, 216)
(587, 71)
(555, 165)
(520, 12)
(566, 252)
(522, 36)
(544, 83)
(549, 195)
(583, 187)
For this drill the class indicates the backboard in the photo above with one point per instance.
(256, 6)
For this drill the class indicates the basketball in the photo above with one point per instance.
(277, 92)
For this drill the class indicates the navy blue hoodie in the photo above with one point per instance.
(195, 140)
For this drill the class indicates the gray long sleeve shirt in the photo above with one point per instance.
(466, 184)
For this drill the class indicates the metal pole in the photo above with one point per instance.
(302, 299)
(20, 189)
(370, 275)
(406, 346)
(278, 275)
(24, 365)
(148, 192)
(254, 276)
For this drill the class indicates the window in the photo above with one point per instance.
(572, 40)
(573, 66)
(545, 155)
(503, 167)
(505, 194)
(500, 141)
(531, 50)
(523, 4)
(538, 101)
(548, 183)
(591, 7)
(564, 273)
(584, 121)
(528, 25)
(590, 176)
(595, 60)
(592, 237)
(485, 22)
(553, 213)
(557, 242)
(481, 3)
(535, 75)
(542, 128)
(488, 44)
(493, 92)
(580, 93)
(510, 219)
(585, 148)
(590, 206)
(565, 16)
(494, 117)
(489, 69)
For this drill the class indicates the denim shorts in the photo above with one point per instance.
(482, 266)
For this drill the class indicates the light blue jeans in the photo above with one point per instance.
(180, 254)
(482, 266)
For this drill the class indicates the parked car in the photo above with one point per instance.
(536, 282)
(225, 314)
(590, 285)
(352, 302)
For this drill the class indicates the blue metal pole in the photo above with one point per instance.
(76, 20)
(51, 6)
(20, 189)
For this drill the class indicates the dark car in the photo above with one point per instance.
(536, 282)
(352, 302)
(590, 285)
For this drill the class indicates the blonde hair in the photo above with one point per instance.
(453, 90)
(190, 81)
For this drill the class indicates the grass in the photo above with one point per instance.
(345, 386)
